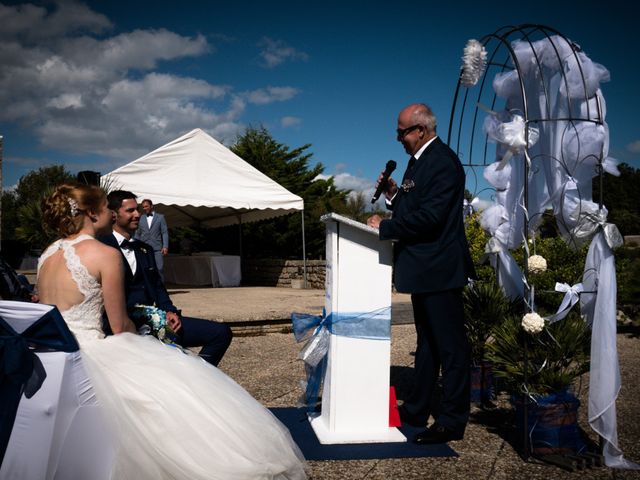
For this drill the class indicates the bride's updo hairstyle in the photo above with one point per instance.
(64, 211)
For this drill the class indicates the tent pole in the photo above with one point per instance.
(240, 234)
(240, 241)
(1, 191)
(304, 253)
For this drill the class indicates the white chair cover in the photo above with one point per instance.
(59, 432)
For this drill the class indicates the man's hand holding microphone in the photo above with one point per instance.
(384, 184)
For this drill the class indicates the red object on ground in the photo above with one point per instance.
(394, 414)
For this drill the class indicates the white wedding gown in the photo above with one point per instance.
(173, 415)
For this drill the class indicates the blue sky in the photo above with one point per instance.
(94, 85)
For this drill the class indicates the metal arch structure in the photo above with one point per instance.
(465, 134)
(467, 138)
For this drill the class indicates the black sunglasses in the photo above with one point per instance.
(403, 132)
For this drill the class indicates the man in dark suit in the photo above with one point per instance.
(152, 230)
(143, 285)
(433, 264)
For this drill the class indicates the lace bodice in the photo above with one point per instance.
(85, 318)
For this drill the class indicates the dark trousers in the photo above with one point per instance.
(215, 337)
(441, 343)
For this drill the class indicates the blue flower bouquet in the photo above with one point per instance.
(153, 322)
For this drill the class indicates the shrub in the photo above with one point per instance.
(477, 239)
(564, 265)
(556, 356)
(485, 306)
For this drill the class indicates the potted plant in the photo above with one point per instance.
(538, 362)
(485, 306)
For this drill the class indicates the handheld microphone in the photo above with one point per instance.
(391, 166)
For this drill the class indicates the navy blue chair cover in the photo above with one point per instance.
(21, 371)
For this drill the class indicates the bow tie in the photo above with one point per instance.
(128, 244)
(150, 214)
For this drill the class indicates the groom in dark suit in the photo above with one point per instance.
(433, 264)
(143, 285)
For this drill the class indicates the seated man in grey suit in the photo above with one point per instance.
(143, 285)
(153, 231)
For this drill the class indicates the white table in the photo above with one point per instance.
(203, 269)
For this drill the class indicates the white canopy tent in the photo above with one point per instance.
(195, 180)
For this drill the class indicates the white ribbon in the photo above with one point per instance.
(508, 129)
(493, 246)
(571, 297)
(314, 351)
(589, 222)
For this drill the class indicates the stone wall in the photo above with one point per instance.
(632, 241)
(282, 273)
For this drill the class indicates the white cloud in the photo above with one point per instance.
(31, 23)
(634, 147)
(288, 122)
(264, 96)
(66, 100)
(276, 52)
(79, 90)
(351, 182)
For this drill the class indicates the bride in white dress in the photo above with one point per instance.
(173, 415)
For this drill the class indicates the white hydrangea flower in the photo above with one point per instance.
(532, 323)
(537, 264)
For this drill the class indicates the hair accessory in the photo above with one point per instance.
(73, 206)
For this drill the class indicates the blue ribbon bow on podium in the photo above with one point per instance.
(21, 370)
(317, 331)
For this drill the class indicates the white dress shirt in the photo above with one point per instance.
(129, 254)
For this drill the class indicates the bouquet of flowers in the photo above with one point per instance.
(154, 322)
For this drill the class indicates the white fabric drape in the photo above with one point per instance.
(566, 139)
(604, 379)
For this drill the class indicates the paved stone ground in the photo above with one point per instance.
(267, 366)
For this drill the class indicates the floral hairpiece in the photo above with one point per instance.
(73, 206)
(474, 62)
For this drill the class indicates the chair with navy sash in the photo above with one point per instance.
(51, 426)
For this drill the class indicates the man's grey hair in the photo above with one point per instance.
(423, 115)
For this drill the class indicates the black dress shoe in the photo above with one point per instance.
(436, 433)
(410, 419)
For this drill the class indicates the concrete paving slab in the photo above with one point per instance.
(268, 368)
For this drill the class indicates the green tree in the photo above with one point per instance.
(621, 196)
(9, 215)
(358, 208)
(27, 199)
(31, 187)
(280, 237)
(477, 239)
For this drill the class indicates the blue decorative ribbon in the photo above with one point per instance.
(317, 331)
(20, 368)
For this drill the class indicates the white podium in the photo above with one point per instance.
(355, 395)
